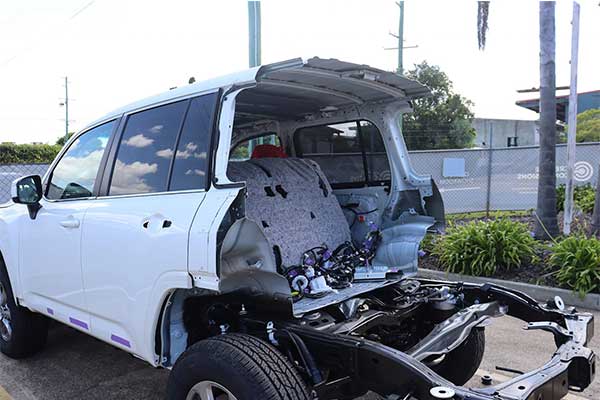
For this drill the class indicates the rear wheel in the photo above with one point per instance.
(234, 367)
(22, 332)
(460, 364)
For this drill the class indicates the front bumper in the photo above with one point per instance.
(376, 367)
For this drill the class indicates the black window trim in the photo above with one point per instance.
(101, 166)
(348, 185)
(176, 147)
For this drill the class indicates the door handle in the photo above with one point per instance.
(71, 223)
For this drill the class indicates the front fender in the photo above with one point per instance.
(10, 221)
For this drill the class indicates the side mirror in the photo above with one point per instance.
(28, 191)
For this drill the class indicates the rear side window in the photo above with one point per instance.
(75, 174)
(146, 149)
(348, 153)
(378, 166)
(191, 163)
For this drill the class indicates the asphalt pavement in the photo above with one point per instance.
(76, 366)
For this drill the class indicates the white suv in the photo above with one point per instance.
(258, 235)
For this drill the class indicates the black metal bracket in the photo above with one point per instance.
(373, 366)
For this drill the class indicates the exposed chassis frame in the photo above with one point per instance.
(372, 366)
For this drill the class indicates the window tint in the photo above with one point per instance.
(378, 165)
(243, 150)
(191, 162)
(347, 152)
(75, 174)
(146, 150)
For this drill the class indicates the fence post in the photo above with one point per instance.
(489, 172)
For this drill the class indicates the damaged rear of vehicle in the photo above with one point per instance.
(313, 288)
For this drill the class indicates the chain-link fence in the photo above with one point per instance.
(499, 179)
(469, 180)
(10, 172)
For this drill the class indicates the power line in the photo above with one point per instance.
(43, 37)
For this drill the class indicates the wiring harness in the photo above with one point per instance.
(322, 271)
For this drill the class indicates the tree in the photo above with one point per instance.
(63, 139)
(588, 126)
(441, 121)
(547, 222)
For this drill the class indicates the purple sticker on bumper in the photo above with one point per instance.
(78, 323)
(120, 340)
(50, 311)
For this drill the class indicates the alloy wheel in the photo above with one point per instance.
(208, 390)
(5, 324)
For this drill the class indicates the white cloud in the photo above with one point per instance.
(80, 170)
(139, 140)
(189, 152)
(195, 172)
(191, 146)
(129, 178)
(156, 128)
(165, 153)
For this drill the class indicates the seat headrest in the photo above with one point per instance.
(268, 151)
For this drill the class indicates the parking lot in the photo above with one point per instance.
(75, 366)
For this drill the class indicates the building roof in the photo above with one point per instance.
(585, 101)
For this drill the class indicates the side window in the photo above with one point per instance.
(75, 174)
(378, 165)
(337, 150)
(191, 162)
(243, 151)
(348, 153)
(146, 150)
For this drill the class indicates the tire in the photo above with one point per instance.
(22, 333)
(461, 363)
(243, 367)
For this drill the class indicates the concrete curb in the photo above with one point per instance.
(541, 293)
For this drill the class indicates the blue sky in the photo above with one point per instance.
(115, 52)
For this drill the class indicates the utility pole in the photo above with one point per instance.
(254, 32)
(65, 103)
(401, 38)
(572, 122)
(254, 50)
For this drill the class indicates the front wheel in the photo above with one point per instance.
(234, 367)
(22, 332)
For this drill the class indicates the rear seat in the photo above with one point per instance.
(292, 202)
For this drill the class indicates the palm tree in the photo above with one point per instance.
(546, 225)
(482, 22)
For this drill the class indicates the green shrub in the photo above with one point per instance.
(583, 195)
(428, 243)
(479, 248)
(579, 261)
(27, 153)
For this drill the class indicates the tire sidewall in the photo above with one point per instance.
(6, 346)
(198, 366)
